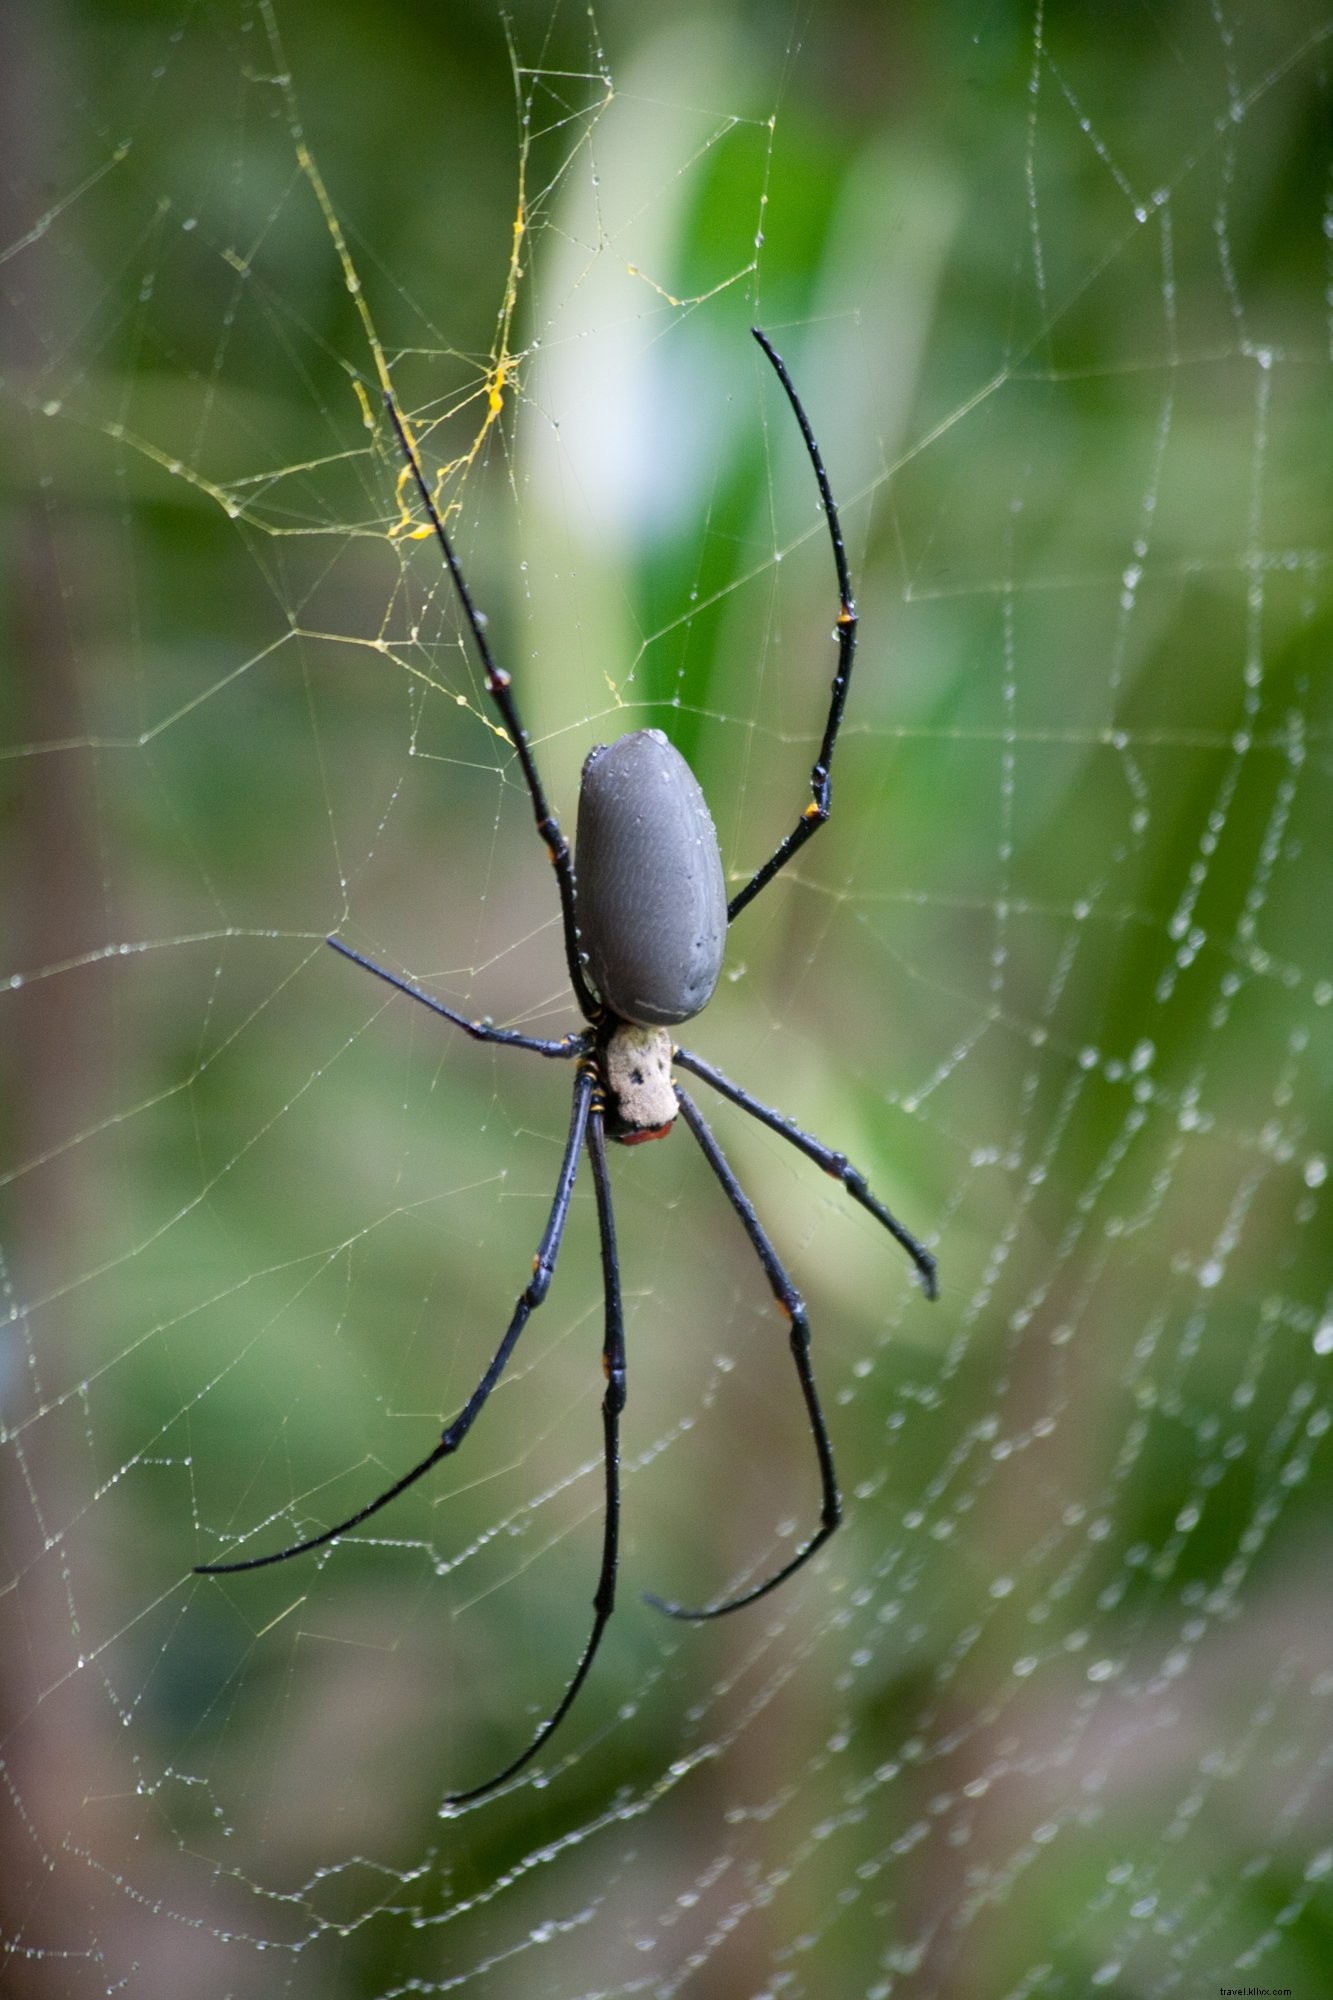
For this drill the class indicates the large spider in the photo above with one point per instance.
(644, 927)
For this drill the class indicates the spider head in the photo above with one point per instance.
(641, 1099)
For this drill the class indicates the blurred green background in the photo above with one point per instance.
(1052, 1713)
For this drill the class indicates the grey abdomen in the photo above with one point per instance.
(652, 905)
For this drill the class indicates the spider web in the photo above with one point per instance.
(1051, 1713)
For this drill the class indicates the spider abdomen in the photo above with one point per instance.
(652, 904)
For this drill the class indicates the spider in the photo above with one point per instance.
(645, 923)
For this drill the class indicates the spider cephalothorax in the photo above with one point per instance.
(641, 1101)
(644, 925)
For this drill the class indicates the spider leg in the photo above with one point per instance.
(792, 1305)
(836, 1164)
(815, 814)
(481, 1031)
(543, 1269)
(499, 687)
(613, 1367)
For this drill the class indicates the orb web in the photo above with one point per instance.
(1050, 1714)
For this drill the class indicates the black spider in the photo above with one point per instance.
(644, 927)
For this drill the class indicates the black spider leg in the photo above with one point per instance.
(501, 692)
(613, 1367)
(543, 1269)
(836, 1164)
(793, 1306)
(482, 1031)
(819, 807)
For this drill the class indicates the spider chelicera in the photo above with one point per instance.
(644, 922)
